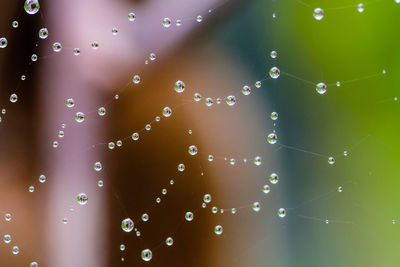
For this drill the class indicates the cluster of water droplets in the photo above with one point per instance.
(127, 224)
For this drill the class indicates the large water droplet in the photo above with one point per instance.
(31, 6)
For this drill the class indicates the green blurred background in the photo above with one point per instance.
(360, 117)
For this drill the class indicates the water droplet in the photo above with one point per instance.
(70, 103)
(43, 33)
(3, 42)
(34, 57)
(82, 198)
(274, 72)
(218, 229)
(274, 178)
(34, 264)
(15, 24)
(274, 54)
(7, 217)
(266, 189)
(42, 178)
(13, 98)
(147, 254)
(274, 116)
(331, 160)
(318, 13)
(181, 167)
(7, 238)
(231, 100)
(31, 189)
(135, 136)
(15, 250)
(199, 18)
(321, 88)
(31, 6)
(55, 144)
(246, 90)
(114, 31)
(169, 241)
(101, 111)
(192, 150)
(167, 111)
(94, 45)
(340, 189)
(178, 22)
(272, 138)
(207, 198)
(197, 97)
(145, 217)
(360, 8)
(189, 216)
(127, 225)
(209, 101)
(131, 16)
(136, 79)
(76, 51)
(100, 183)
(79, 117)
(281, 212)
(256, 206)
(57, 47)
(257, 160)
(210, 157)
(97, 166)
(111, 145)
(122, 247)
(179, 86)
(166, 22)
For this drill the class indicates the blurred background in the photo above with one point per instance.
(230, 48)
